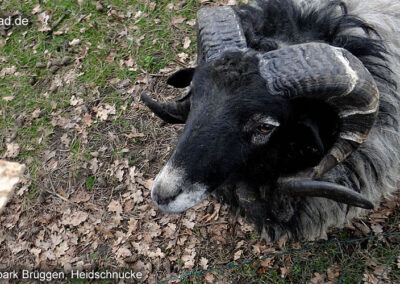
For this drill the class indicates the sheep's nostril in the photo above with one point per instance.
(163, 200)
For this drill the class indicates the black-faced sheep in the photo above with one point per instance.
(292, 114)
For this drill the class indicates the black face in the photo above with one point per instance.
(230, 116)
(233, 122)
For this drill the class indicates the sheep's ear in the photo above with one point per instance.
(181, 78)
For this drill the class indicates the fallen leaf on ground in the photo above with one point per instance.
(204, 263)
(76, 218)
(104, 111)
(378, 229)
(12, 150)
(333, 272)
(115, 206)
(124, 252)
(188, 257)
(8, 98)
(237, 254)
(36, 9)
(209, 278)
(284, 271)
(186, 43)
(268, 262)
(369, 278)
(74, 42)
(44, 19)
(81, 196)
(317, 279)
(75, 101)
(178, 20)
(7, 71)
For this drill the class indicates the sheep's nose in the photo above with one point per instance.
(163, 196)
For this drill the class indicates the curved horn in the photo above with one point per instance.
(175, 112)
(218, 30)
(334, 75)
(325, 189)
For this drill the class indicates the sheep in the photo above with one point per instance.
(292, 115)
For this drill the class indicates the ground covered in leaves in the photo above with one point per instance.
(70, 81)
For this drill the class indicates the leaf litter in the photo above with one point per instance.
(95, 208)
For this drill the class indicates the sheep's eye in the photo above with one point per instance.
(264, 128)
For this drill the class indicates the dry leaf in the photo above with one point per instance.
(8, 98)
(36, 113)
(186, 43)
(191, 23)
(75, 101)
(44, 19)
(76, 218)
(377, 228)
(110, 57)
(369, 278)
(204, 263)
(239, 244)
(104, 111)
(268, 262)
(65, 140)
(188, 257)
(61, 249)
(87, 119)
(382, 272)
(178, 20)
(74, 42)
(333, 272)
(36, 9)
(81, 197)
(284, 271)
(188, 224)
(12, 150)
(209, 278)
(124, 252)
(7, 71)
(130, 62)
(237, 254)
(94, 165)
(317, 279)
(182, 56)
(115, 206)
(148, 183)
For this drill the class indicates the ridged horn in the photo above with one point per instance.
(218, 30)
(175, 112)
(333, 75)
(325, 189)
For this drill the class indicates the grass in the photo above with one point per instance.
(142, 30)
(350, 260)
(149, 39)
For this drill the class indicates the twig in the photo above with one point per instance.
(56, 194)
(158, 75)
(180, 63)
(213, 223)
